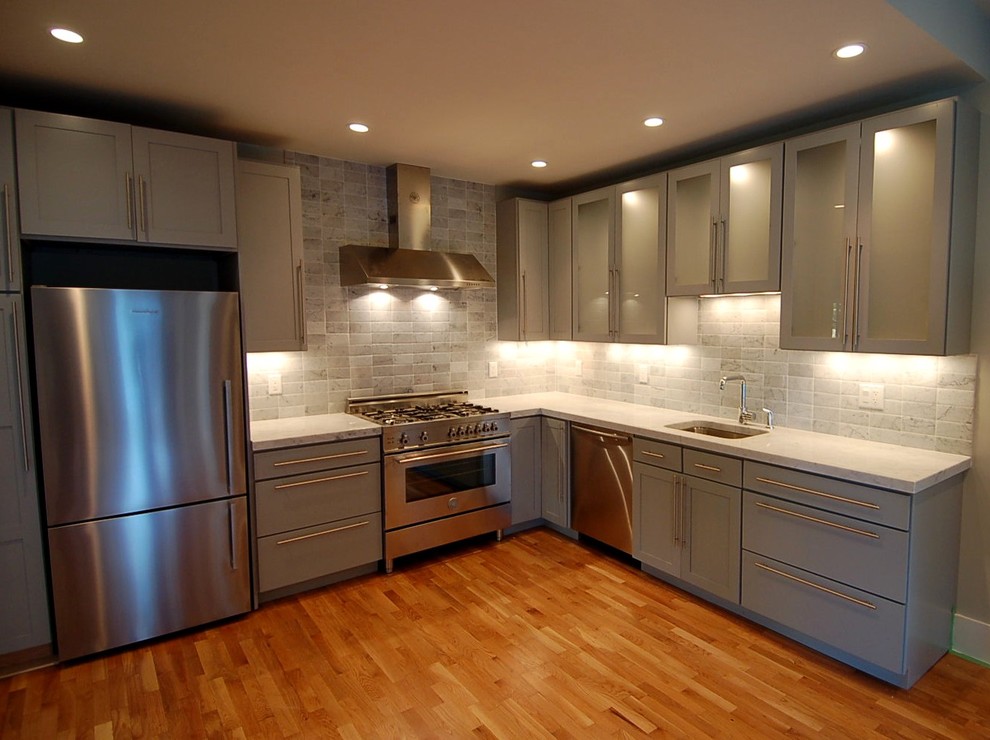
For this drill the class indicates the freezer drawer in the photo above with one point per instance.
(118, 581)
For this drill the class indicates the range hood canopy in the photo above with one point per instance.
(408, 260)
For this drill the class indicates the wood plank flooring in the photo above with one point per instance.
(537, 636)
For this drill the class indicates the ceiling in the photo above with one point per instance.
(473, 89)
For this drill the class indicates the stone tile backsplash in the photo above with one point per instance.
(364, 341)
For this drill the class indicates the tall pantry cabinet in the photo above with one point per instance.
(878, 232)
(24, 624)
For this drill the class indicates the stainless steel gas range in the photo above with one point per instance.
(447, 469)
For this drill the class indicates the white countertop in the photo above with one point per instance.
(306, 430)
(904, 469)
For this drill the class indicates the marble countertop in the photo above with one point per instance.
(271, 434)
(903, 469)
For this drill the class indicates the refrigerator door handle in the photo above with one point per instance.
(228, 427)
(232, 528)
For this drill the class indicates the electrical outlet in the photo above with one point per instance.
(275, 384)
(493, 369)
(871, 396)
(642, 373)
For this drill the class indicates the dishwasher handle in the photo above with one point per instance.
(622, 438)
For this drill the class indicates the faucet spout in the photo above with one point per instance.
(744, 413)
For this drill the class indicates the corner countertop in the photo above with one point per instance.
(272, 434)
(903, 469)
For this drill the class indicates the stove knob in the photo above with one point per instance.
(494, 426)
(403, 438)
(424, 437)
(486, 427)
(460, 431)
(452, 432)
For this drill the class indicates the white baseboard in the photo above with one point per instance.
(971, 638)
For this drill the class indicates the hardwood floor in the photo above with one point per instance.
(537, 636)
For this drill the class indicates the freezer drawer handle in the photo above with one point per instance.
(802, 581)
(844, 528)
(653, 454)
(708, 467)
(20, 390)
(324, 532)
(625, 439)
(7, 220)
(811, 491)
(280, 486)
(233, 535)
(280, 463)
(417, 458)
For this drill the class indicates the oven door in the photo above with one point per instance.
(430, 484)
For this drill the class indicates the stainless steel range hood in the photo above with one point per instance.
(408, 260)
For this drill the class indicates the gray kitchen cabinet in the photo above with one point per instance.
(318, 514)
(879, 224)
(559, 266)
(685, 525)
(863, 574)
(724, 224)
(24, 622)
(90, 179)
(618, 237)
(270, 256)
(522, 264)
(554, 472)
(527, 480)
(10, 252)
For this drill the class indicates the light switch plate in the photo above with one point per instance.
(493, 369)
(871, 396)
(275, 384)
(642, 373)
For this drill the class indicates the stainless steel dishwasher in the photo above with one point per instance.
(601, 485)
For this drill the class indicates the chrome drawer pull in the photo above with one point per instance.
(844, 528)
(708, 467)
(854, 600)
(843, 499)
(653, 454)
(320, 534)
(318, 459)
(417, 458)
(280, 486)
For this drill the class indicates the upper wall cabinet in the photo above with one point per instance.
(269, 225)
(521, 253)
(879, 228)
(723, 227)
(92, 179)
(559, 232)
(10, 253)
(592, 245)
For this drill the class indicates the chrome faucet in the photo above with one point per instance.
(745, 415)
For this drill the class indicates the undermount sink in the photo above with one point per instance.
(717, 429)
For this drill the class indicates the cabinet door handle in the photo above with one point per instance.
(323, 533)
(524, 324)
(813, 492)
(129, 199)
(8, 224)
(143, 204)
(684, 512)
(676, 514)
(722, 259)
(824, 589)
(846, 302)
(20, 389)
(280, 463)
(280, 486)
(653, 454)
(708, 467)
(301, 301)
(713, 239)
(816, 520)
(615, 303)
(856, 306)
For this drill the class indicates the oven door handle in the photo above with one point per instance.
(451, 453)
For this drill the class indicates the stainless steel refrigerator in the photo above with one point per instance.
(141, 418)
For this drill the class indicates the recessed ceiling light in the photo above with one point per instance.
(359, 128)
(538, 163)
(849, 51)
(653, 122)
(69, 37)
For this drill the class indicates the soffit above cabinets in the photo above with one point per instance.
(475, 91)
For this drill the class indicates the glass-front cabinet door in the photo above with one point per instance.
(639, 301)
(692, 219)
(559, 278)
(593, 217)
(821, 175)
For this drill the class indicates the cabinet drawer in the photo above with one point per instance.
(310, 458)
(708, 465)
(867, 626)
(862, 502)
(661, 454)
(314, 498)
(304, 554)
(866, 556)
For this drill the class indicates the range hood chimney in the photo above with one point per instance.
(409, 260)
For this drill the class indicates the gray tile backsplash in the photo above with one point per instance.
(364, 341)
